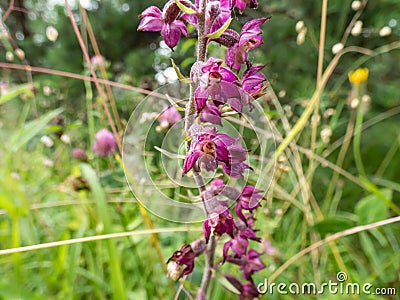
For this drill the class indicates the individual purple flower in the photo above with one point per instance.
(241, 4)
(217, 13)
(250, 38)
(220, 220)
(251, 264)
(184, 256)
(215, 82)
(247, 291)
(249, 200)
(169, 116)
(252, 81)
(153, 19)
(104, 144)
(240, 243)
(209, 148)
(79, 154)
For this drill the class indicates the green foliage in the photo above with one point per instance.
(46, 195)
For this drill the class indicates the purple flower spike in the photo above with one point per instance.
(169, 116)
(209, 148)
(250, 38)
(221, 221)
(104, 144)
(166, 22)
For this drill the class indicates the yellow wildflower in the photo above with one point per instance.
(358, 76)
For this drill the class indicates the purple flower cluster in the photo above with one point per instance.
(216, 85)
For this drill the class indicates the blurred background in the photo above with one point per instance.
(46, 195)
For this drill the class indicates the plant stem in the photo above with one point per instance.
(357, 142)
(189, 121)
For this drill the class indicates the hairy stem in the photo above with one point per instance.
(189, 121)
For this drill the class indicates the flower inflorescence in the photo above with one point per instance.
(217, 85)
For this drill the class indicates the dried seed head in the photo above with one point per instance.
(51, 33)
(337, 48)
(20, 54)
(357, 29)
(385, 31)
(356, 5)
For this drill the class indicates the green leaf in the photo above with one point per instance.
(181, 77)
(220, 31)
(332, 225)
(185, 9)
(372, 209)
(16, 91)
(31, 129)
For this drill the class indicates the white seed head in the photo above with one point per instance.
(65, 139)
(48, 163)
(301, 37)
(357, 29)
(46, 90)
(20, 54)
(282, 93)
(299, 26)
(356, 5)
(354, 103)
(366, 99)
(337, 48)
(51, 33)
(326, 134)
(329, 112)
(385, 31)
(9, 56)
(279, 212)
(47, 141)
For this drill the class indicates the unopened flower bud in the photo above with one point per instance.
(301, 37)
(357, 29)
(337, 48)
(20, 54)
(354, 103)
(48, 163)
(385, 31)
(65, 139)
(356, 5)
(170, 11)
(299, 26)
(51, 33)
(47, 141)
(326, 134)
(9, 56)
(198, 246)
(366, 99)
(228, 39)
(46, 90)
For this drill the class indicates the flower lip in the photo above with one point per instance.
(209, 147)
